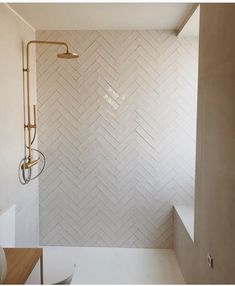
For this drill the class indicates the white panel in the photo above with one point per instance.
(186, 214)
(7, 226)
(26, 228)
(118, 130)
(13, 33)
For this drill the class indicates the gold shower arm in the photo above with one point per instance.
(48, 43)
(42, 42)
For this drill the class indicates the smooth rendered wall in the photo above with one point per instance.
(12, 32)
(215, 167)
(118, 130)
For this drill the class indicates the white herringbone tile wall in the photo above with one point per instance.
(117, 127)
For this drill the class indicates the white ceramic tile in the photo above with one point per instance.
(117, 127)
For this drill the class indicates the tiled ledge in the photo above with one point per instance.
(186, 214)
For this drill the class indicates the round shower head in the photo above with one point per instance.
(68, 55)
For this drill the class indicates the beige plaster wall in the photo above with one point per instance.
(215, 160)
(215, 167)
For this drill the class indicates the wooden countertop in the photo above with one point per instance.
(20, 263)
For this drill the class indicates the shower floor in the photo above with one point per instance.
(97, 265)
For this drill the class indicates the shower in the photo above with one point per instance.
(26, 164)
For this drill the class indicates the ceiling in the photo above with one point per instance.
(102, 16)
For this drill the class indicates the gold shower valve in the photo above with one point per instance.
(29, 164)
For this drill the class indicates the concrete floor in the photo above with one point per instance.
(111, 265)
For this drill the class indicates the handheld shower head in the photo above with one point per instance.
(68, 55)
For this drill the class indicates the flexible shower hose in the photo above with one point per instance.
(26, 178)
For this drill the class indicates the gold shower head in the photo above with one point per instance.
(68, 55)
